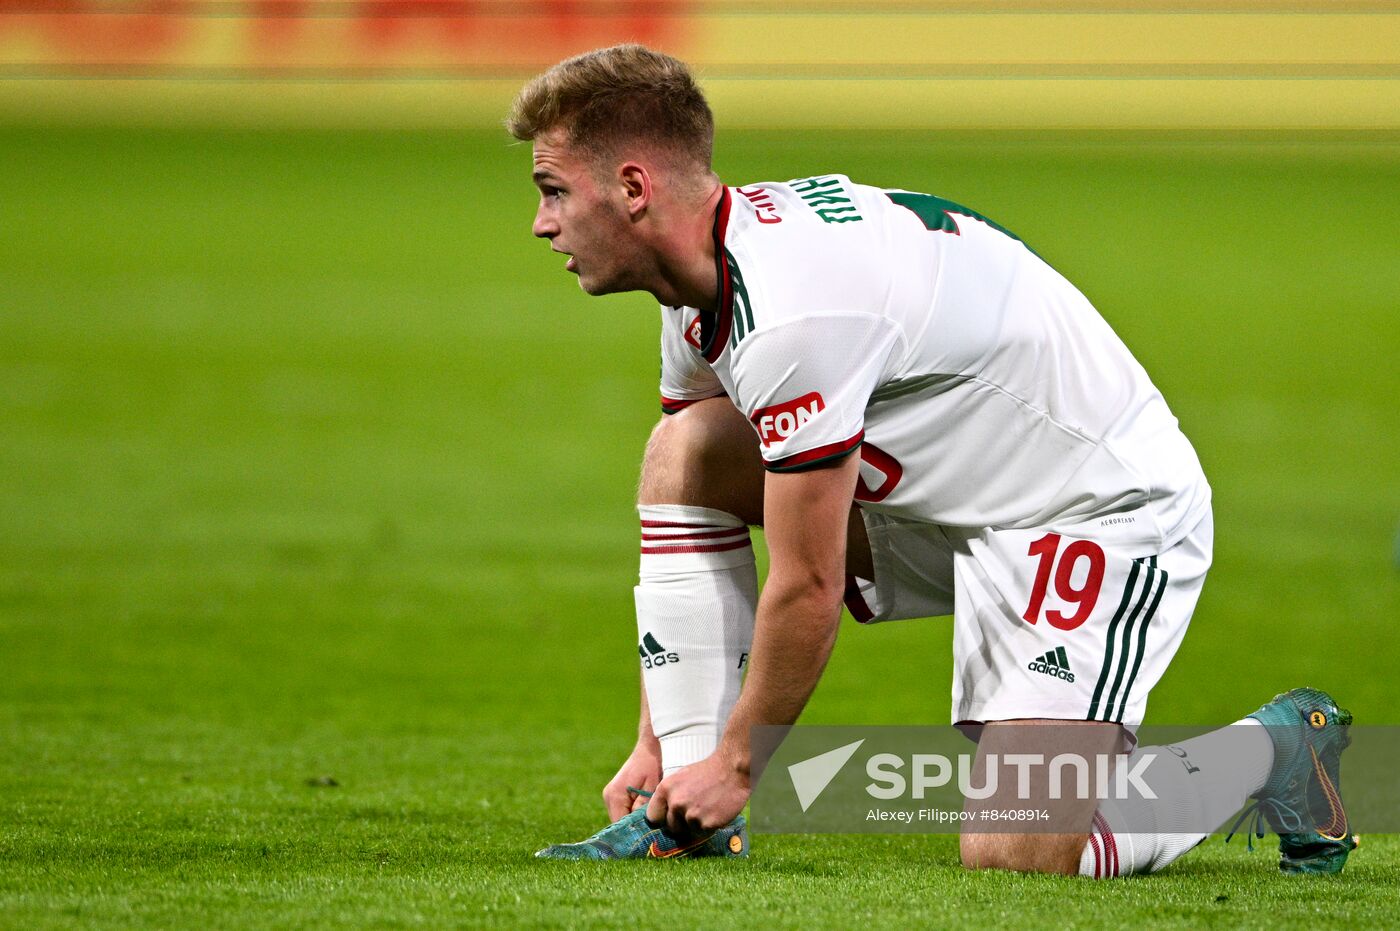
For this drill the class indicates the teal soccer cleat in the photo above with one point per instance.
(1301, 801)
(631, 837)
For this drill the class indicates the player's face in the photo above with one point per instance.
(583, 218)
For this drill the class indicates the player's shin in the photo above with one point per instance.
(695, 614)
(1198, 784)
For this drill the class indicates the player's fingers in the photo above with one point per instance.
(635, 800)
(656, 806)
(617, 797)
(676, 821)
(618, 800)
(693, 822)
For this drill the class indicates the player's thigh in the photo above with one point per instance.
(706, 455)
(1071, 623)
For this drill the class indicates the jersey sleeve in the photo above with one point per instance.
(685, 375)
(804, 385)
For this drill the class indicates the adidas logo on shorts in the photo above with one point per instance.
(1055, 663)
(654, 654)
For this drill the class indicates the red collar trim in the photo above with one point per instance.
(715, 327)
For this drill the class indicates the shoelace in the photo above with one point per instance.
(1281, 814)
(644, 794)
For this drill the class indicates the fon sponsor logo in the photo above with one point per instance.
(781, 421)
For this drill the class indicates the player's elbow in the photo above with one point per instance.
(815, 590)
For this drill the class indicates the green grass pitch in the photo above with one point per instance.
(316, 465)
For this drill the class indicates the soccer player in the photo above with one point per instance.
(926, 419)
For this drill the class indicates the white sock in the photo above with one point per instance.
(1199, 783)
(695, 613)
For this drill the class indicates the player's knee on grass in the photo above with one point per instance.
(1022, 787)
(1023, 853)
(705, 456)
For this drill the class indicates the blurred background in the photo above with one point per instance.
(1154, 64)
(316, 529)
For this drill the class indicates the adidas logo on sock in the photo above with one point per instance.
(654, 654)
(1055, 663)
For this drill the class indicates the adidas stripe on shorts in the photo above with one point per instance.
(1074, 622)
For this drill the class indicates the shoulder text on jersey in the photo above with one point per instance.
(825, 195)
(764, 208)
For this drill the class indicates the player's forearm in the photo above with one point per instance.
(794, 633)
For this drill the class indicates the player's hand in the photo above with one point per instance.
(641, 771)
(700, 798)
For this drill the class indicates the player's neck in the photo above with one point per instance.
(685, 258)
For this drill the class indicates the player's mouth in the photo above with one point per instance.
(571, 264)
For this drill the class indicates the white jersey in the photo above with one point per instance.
(982, 388)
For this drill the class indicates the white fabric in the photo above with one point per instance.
(836, 391)
(695, 612)
(996, 673)
(1115, 656)
(1199, 783)
(978, 374)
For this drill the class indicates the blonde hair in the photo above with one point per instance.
(613, 96)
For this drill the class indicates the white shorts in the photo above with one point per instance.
(1074, 623)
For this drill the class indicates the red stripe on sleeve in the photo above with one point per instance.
(673, 405)
(811, 457)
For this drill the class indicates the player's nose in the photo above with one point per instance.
(545, 225)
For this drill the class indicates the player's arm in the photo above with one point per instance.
(805, 515)
(804, 384)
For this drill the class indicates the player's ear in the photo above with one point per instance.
(636, 187)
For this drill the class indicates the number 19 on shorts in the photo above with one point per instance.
(1082, 559)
